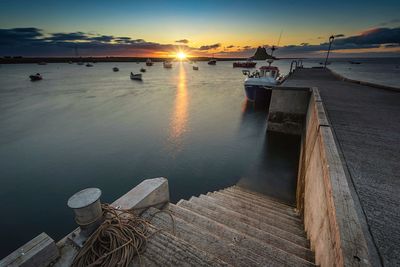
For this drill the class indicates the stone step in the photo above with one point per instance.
(246, 225)
(165, 249)
(245, 210)
(288, 210)
(273, 255)
(227, 251)
(261, 196)
(253, 206)
(286, 225)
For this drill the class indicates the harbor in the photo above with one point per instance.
(331, 219)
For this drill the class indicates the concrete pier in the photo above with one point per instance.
(366, 125)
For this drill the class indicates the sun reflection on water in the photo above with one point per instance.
(178, 123)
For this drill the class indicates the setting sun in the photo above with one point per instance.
(181, 55)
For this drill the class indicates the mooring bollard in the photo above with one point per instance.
(87, 209)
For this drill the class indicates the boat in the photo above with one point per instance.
(258, 82)
(355, 62)
(89, 65)
(142, 70)
(115, 69)
(149, 62)
(35, 77)
(249, 63)
(212, 61)
(195, 67)
(167, 64)
(137, 76)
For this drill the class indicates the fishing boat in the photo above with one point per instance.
(115, 69)
(249, 63)
(142, 70)
(195, 67)
(149, 62)
(257, 83)
(167, 64)
(89, 65)
(35, 77)
(137, 76)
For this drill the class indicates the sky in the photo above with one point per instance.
(198, 28)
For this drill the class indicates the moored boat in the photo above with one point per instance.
(258, 82)
(212, 62)
(137, 76)
(89, 65)
(149, 62)
(195, 67)
(115, 69)
(142, 70)
(249, 63)
(35, 77)
(167, 64)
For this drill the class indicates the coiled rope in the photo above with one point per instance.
(121, 237)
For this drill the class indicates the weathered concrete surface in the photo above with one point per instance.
(287, 110)
(366, 124)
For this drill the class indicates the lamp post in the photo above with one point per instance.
(329, 49)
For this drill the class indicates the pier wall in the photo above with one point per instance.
(287, 109)
(323, 195)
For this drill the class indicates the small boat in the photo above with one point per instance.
(195, 68)
(80, 63)
(89, 65)
(115, 69)
(258, 82)
(137, 76)
(70, 62)
(212, 62)
(355, 62)
(142, 70)
(167, 64)
(149, 62)
(249, 63)
(42, 63)
(36, 77)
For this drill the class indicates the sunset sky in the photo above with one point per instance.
(200, 28)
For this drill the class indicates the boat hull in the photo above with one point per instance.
(257, 93)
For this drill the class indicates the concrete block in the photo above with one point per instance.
(40, 251)
(149, 193)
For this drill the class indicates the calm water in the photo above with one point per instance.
(90, 127)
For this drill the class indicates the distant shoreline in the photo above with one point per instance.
(33, 60)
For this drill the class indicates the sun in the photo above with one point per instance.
(181, 55)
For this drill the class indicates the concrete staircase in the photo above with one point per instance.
(230, 227)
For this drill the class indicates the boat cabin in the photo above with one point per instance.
(269, 71)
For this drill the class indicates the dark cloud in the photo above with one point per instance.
(339, 35)
(247, 47)
(19, 35)
(209, 47)
(230, 46)
(182, 41)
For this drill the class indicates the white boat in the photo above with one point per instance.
(261, 80)
(137, 76)
(149, 62)
(167, 64)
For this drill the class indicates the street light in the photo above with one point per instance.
(329, 49)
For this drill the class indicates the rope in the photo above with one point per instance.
(121, 237)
